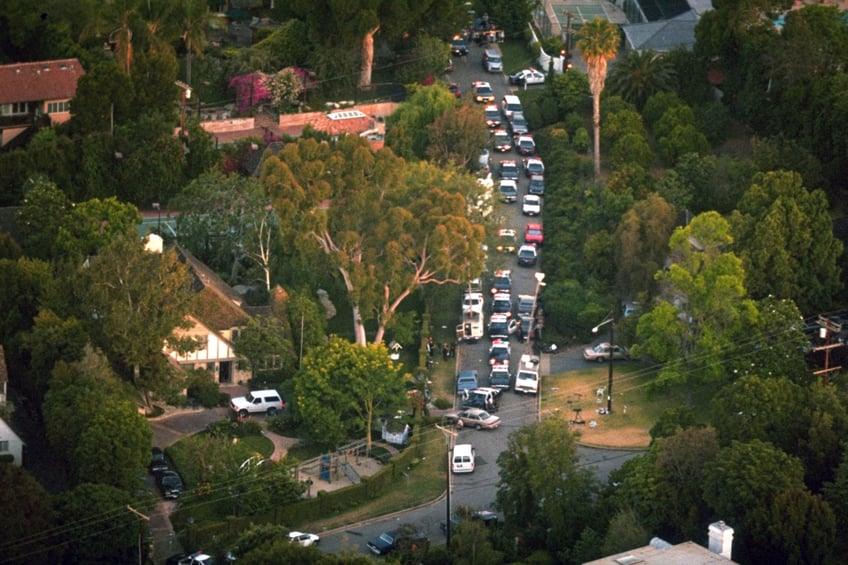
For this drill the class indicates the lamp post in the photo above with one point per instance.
(611, 321)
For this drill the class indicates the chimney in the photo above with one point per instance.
(721, 538)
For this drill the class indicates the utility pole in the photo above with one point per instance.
(140, 529)
(827, 329)
(449, 437)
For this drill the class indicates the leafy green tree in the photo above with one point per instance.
(426, 59)
(133, 300)
(226, 221)
(784, 249)
(625, 532)
(622, 123)
(779, 153)
(744, 477)
(680, 466)
(642, 245)
(797, 527)
(92, 224)
(44, 210)
(307, 320)
(775, 344)
(22, 285)
(97, 526)
(598, 43)
(704, 309)
(542, 491)
(51, 339)
(343, 388)
(470, 544)
(637, 489)
(511, 16)
(401, 226)
(658, 104)
(455, 137)
(103, 99)
(407, 130)
(835, 492)
(639, 74)
(714, 182)
(266, 344)
(682, 140)
(27, 518)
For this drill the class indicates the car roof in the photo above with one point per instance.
(506, 232)
(481, 83)
(534, 197)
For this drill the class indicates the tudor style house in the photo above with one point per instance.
(36, 95)
(217, 317)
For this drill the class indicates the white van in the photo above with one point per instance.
(463, 458)
(511, 104)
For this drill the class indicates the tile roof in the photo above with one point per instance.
(41, 80)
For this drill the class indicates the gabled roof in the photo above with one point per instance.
(42, 80)
(216, 304)
(663, 35)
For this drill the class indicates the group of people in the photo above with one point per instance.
(448, 350)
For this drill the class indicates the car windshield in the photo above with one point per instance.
(484, 89)
(387, 538)
(482, 414)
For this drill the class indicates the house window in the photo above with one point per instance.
(14, 109)
(56, 107)
(4, 446)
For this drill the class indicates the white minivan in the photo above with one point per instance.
(463, 458)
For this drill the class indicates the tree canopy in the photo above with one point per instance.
(343, 388)
(385, 227)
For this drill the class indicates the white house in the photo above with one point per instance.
(10, 444)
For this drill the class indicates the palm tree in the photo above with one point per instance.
(598, 43)
(194, 16)
(639, 74)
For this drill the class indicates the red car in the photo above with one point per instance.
(534, 233)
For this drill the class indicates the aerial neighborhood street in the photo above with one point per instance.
(435, 283)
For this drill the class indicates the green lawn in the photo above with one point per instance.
(516, 56)
(635, 408)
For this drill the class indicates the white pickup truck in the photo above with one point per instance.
(527, 379)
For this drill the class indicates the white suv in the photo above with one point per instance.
(257, 402)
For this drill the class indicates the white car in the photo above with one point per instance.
(303, 539)
(532, 205)
(483, 91)
(527, 77)
(508, 190)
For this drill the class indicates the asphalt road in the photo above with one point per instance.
(477, 490)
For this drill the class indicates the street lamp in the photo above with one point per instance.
(611, 321)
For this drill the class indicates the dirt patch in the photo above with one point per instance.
(599, 436)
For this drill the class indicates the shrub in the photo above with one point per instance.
(203, 388)
(443, 403)
(580, 141)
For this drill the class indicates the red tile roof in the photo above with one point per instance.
(42, 80)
